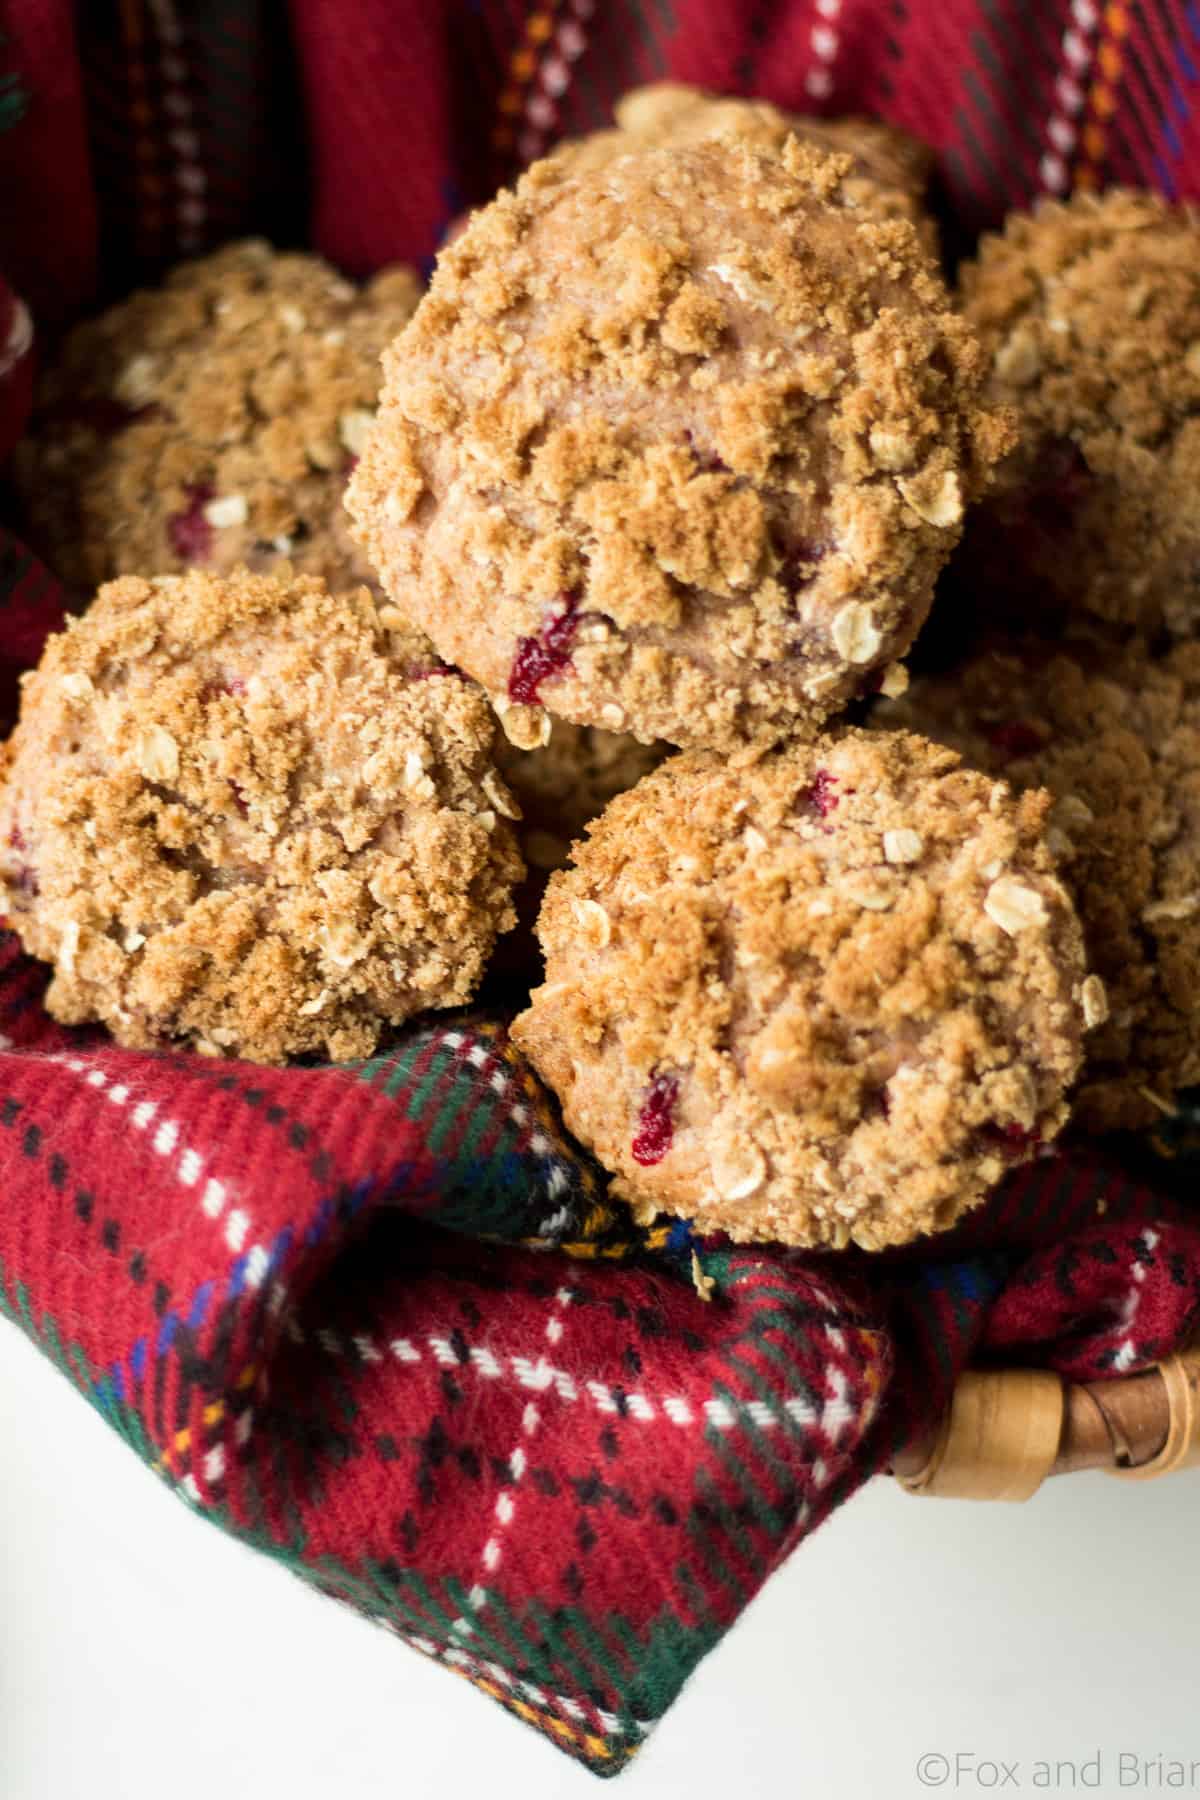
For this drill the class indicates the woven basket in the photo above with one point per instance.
(1008, 1429)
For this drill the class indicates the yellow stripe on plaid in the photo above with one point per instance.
(212, 1415)
(544, 1721)
(522, 67)
(1102, 97)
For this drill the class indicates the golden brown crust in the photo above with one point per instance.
(1116, 741)
(676, 447)
(1090, 314)
(831, 995)
(212, 421)
(233, 812)
(890, 170)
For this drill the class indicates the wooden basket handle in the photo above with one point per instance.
(1007, 1429)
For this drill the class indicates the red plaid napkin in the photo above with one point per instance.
(382, 1321)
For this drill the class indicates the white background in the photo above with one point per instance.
(142, 1654)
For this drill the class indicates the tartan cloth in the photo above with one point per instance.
(381, 1321)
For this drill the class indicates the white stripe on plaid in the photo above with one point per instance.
(504, 1084)
(1127, 1353)
(542, 1377)
(1070, 93)
(190, 181)
(461, 1658)
(187, 1166)
(825, 41)
(505, 1506)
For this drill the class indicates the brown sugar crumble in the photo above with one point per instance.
(676, 446)
(829, 995)
(889, 170)
(671, 454)
(1115, 739)
(1089, 311)
(212, 422)
(233, 813)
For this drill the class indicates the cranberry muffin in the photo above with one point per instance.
(212, 422)
(828, 996)
(889, 172)
(1089, 311)
(675, 447)
(239, 813)
(1115, 739)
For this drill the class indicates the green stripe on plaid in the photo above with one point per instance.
(490, 1135)
(14, 97)
(70, 1360)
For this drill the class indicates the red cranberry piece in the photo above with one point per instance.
(549, 653)
(23, 879)
(820, 795)
(708, 461)
(1011, 1139)
(239, 798)
(189, 532)
(801, 560)
(1015, 738)
(225, 684)
(656, 1121)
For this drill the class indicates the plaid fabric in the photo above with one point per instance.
(150, 129)
(382, 1322)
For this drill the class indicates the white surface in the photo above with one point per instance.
(143, 1654)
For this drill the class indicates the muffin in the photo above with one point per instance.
(829, 996)
(677, 447)
(1116, 742)
(212, 421)
(1090, 314)
(234, 813)
(889, 172)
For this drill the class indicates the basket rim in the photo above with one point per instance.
(1007, 1430)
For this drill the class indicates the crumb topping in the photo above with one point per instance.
(889, 171)
(1115, 739)
(212, 421)
(235, 812)
(677, 445)
(1089, 311)
(830, 995)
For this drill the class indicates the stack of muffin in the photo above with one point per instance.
(637, 534)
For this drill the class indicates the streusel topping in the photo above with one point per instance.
(1115, 739)
(1090, 314)
(889, 172)
(830, 996)
(213, 421)
(236, 811)
(676, 446)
